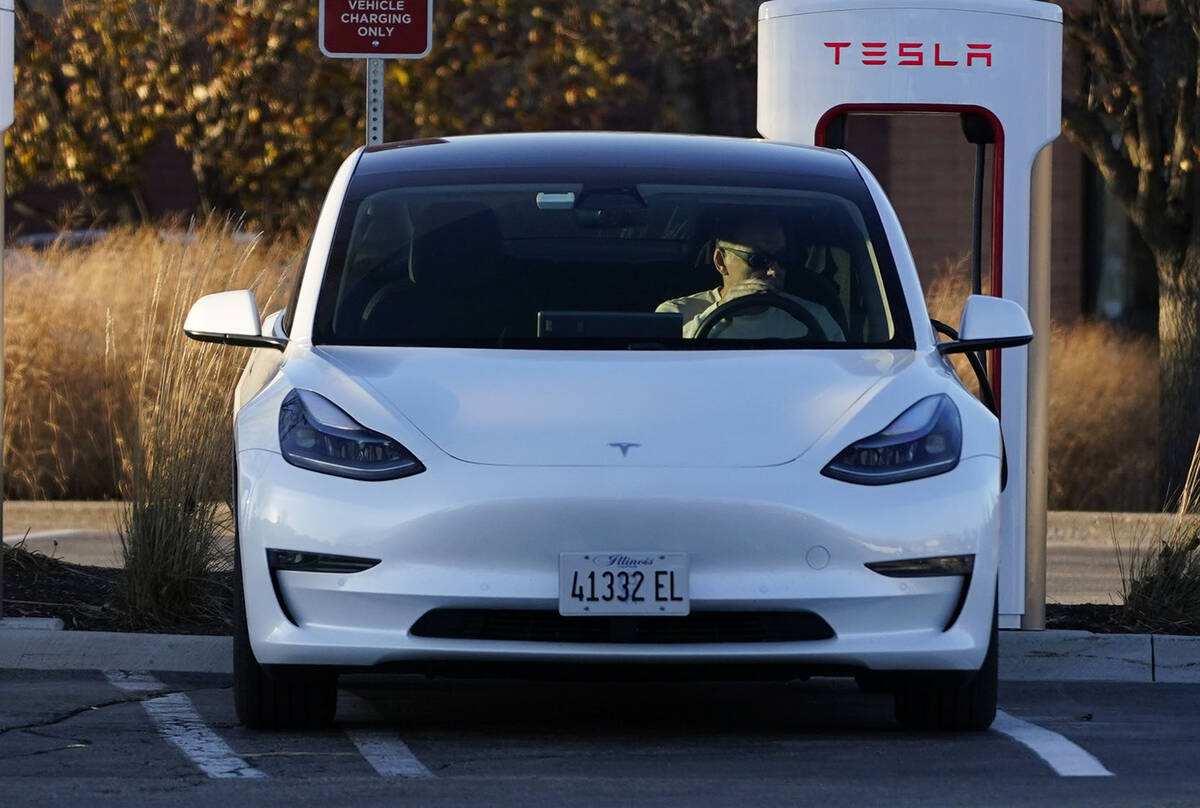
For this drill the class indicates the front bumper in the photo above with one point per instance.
(483, 537)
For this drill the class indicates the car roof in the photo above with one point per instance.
(622, 151)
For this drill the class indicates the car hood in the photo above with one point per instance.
(552, 408)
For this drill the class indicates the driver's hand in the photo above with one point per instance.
(752, 286)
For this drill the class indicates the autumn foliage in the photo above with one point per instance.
(243, 89)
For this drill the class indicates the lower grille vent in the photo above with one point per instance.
(549, 626)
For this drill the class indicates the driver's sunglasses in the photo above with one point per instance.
(757, 260)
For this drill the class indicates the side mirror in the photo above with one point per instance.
(230, 318)
(989, 323)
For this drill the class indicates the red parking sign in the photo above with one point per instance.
(376, 29)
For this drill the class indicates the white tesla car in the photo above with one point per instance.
(584, 401)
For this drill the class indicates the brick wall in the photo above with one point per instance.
(928, 169)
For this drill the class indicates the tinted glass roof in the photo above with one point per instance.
(567, 150)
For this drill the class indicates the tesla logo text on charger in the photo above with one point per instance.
(913, 53)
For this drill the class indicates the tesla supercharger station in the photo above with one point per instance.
(821, 60)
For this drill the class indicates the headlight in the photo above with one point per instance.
(925, 440)
(314, 433)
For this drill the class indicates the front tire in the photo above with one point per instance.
(946, 703)
(279, 697)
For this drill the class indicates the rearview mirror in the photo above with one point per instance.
(988, 323)
(230, 318)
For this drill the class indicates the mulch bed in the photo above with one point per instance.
(85, 598)
(88, 598)
(1103, 618)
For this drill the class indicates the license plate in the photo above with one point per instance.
(623, 583)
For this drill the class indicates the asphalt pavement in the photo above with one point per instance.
(133, 737)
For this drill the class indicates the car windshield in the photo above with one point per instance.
(595, 266)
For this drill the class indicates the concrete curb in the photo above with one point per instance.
(1083, 656)
(1024, 655)
(31, 623)
(1075, 655)
(107, 650)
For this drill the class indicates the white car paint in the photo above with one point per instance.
(491, 548)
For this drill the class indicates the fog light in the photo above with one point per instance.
(295, 560)
(925, 567)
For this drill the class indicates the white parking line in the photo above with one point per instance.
(1064, 756)
(387, 754)
(177, 721)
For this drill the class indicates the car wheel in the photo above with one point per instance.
(945, 702)
(279, 697)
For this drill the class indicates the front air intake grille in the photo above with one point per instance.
(549, 626)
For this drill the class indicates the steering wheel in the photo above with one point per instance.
(757, 300)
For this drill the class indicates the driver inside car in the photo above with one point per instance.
(748, 255)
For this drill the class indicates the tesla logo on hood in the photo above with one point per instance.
(624, 447)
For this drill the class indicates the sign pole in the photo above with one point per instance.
(374, 30)
(374, 102)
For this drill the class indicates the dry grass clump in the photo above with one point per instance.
(945, 295)
(1103, 419)
(106, 397)
(175, 443)
(1103, 406)
(947, 291)
(72, 316)
(57, 401)
(1160, 576)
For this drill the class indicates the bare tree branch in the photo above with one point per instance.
(1096, 142)
(1123, 25)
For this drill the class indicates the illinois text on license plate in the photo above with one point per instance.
(623, 583)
